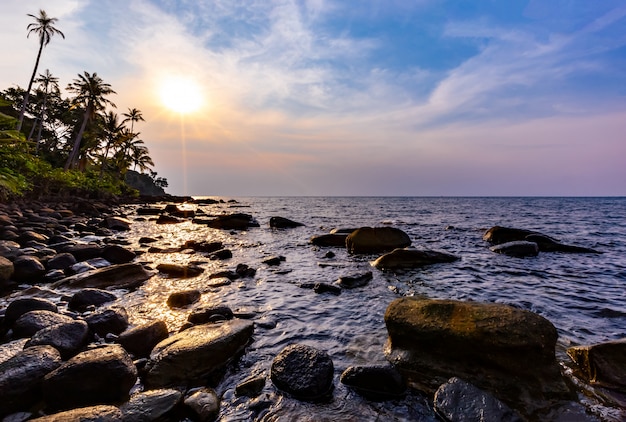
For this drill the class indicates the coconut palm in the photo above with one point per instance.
(132, 116)
(48, 83)
(90, 92)
(43, 26)
(140, 156)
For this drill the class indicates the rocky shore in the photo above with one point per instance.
(78, 358)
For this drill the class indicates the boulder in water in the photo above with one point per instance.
(112, 320)
(85, 298)
(366, 240)
(182, 271)
(184, 298)
(603, 364)
(354, 281)
(140, 340)
(330, 240)
(517, 248)
(123, 276)
(204, 403)
(377, 382)
(411, 258)
(283, 223)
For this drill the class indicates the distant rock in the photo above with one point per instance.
(518, 248)
(412, 258)
(330, 240)
(603, 364)
(283, 223)
(354, 281)
(236, 221)
(366, 240)
(303, 372)
(497, 235)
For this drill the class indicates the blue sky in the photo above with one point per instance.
(325, 97)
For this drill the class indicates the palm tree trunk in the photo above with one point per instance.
(30, 86)
(74, 154)
(41, 116)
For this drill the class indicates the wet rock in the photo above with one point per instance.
(245, 271)
(231, 275)
(81, 267)
(283, 223)
(9, 249)
(330, 240)
(117, 254)
(31, 322)
(113, 320)
(68, 338)
(117, 223)
(145, 240)
(206, 314)
(488, 345)
(176, 211)
(149, 211)
(411, 258)
(326, 288)
(150, 405)
(203, 246)
(377, 239)
(518, 248)
(303, 372)
(222, 254)
(123, 276)
(182, 271)
(459, 401)
(140, 340)
(204, 404)
(274, 260)
(6, 269)
(20, 306)
(354, 281)
(29, 235)
(61, 261)
(603, 364)
(197, 352)
(377, 382)
(497, 235)
(21, 377)
(184, 298)
(84, 251)
(250, 387)
(28, 269)
(98, 376)
(99, 413)
(237, 221)
(53, 275)
(169, 219)
(85, 298)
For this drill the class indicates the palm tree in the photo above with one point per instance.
(47, 81)
(90, 92)
(114, 132)
(140, 156)
(45, 29)
(132, 116)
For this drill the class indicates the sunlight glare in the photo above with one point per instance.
(181, 94)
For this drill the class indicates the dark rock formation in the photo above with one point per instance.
(28, 269)
(517, 248)
(330, 240)
(140, 340)
(182, 271)
(210, 314)
(204, 403)
(68, 338)
(237, 221)
(354, 281)
(113, 320)
(20, 306)
(498, 235)
(603, 364)
(117, 254)
(250, 387)
(283, 223)
(85, 298)
(378, 382)
(368, 240)
(61, 261)
(33, 321)
(303, 372)
(411, 258)
(184, 298)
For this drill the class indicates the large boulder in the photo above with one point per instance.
(68, 338)
(497, 235)
(303, 372)
(21, 377)
(376, 239)
(196, 353)
(123, 276)
(98, 376)
(99, 413)
(488, 345)
(236, 221)
(517, 248)
(20, 306)
(411, 258)
(603, 364)
(31, 322)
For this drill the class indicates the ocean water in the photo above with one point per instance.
(583, 295)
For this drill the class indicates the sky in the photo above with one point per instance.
(353, 97)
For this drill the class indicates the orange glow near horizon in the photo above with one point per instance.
(181, 94)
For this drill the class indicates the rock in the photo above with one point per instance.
(330, 240)
(84, 251)
(459, 401)
(168, 219)
(378, 382)
(6, 269)
(21, 377)
(61, 261)
(28, 269)
(150, 405)
(303, 372)
(85, 298)
(203, 246)
(123, 276)
(174, 210)
(274, 260)
(204, 403)
(197, 352)
(99, 413)
(140, 340)
(210, 314)
(182, 271)
(354, 281)
(184, 298)
(146, 240)
(29, 235)
(488, 345)
(326, 288)
(116, 254)
(230, 222)
(113, 320)
(20, 306)
(98, 376)
(378, 239)
(117, 223)
(518, 248)
(283, 223)
(9, 249)
(222, 254)
(498, 235)
(31, 322)
(411, 258)
(250, 387)
(603, 364)
(68, 338)
(149, 211)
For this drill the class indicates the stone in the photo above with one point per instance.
(203, 246)
(31, 322)
(150, 405)
(29, 235)
(61, 261)
(326, 288)
(102, 375)
(6, 269)
(237, 221)
(117, 254)
(98, 413)
(20, 306)
(194, 354)
(85, 298)
(169, 219)
(117, 223)
(123, 276)
(376, 382)
(68, 338)
(182, 271)
(274, 260)
(330, 240)
(28, 269)
(21, 377)
(204, 403)
(459, 401)
(602, 364)
(488, 345)
(354, 281)
(149, 211)
(497, 235)
(222, 254)
(518, 248)
(84, 251)
(139, 341)
(113, 320)
(283, 223)
(368, 240)
(184, 298)
(303, 372)
(411, 258)
(250, 387)
(210, 314)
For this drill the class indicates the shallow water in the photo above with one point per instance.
(583, 295)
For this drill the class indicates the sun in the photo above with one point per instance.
(181, 94)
